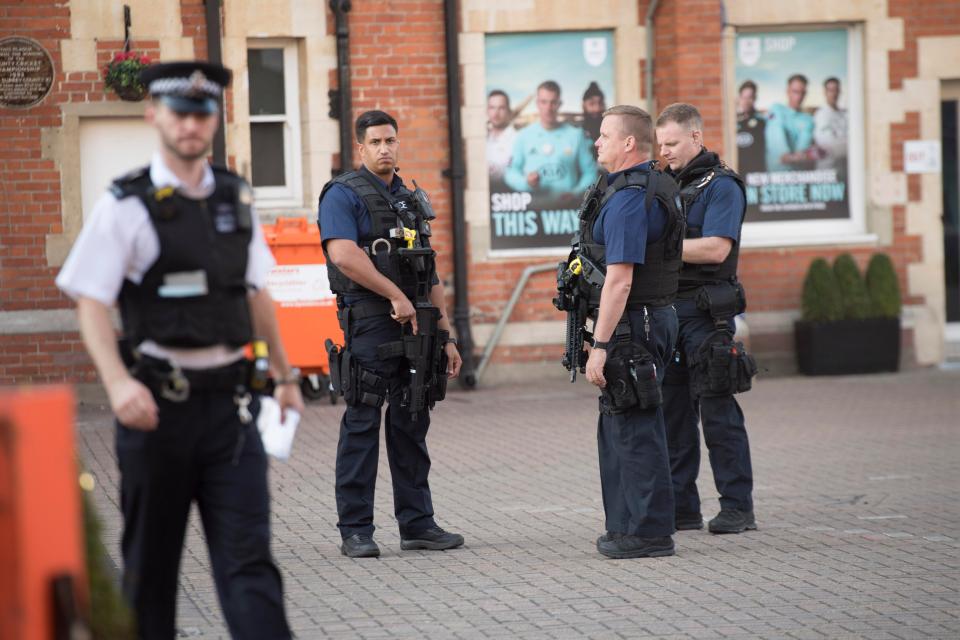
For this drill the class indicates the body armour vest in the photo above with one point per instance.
(195, 294)
(654, 281)
(694, 179)
(398, 242)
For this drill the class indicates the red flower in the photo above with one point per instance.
(118, 57)
(144, 60)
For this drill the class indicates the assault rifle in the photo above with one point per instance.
(427, 361)
(424, 351)
(572, 299)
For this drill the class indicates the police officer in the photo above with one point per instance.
(714, 200)
(376, 237)
(177, 244)
(632, 228)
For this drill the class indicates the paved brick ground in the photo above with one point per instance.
(856, 502)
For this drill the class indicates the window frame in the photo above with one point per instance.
(291, 194)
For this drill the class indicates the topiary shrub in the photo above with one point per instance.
(821, 294)
(853, 290)
(883, 287)
(110, 618)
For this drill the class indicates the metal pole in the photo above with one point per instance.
(215, 54)
(457, 175)
(342, 109)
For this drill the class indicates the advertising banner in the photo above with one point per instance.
(792, 124)
(546, 93)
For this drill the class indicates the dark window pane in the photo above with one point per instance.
(266, 81)
(266, 142)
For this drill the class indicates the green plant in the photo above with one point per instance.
(883, 287)
(122, 75)
(821, 294)
(853, 290)
(110, 618)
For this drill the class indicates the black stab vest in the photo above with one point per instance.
(693, 276)
(654, 281)
(390, 214)
(210, 236)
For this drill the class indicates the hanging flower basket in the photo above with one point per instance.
(122, 75)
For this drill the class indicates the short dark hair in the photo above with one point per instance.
(748, 84)
(635, 122)
(684, 114)
(374, 118)
(831, 79)
(549, 85)
(498, 92)
(797, 76)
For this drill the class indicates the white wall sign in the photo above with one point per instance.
(921, 156)
(300, 285)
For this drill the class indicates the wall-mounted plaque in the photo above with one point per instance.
(26, 72)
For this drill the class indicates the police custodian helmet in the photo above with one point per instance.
(187, 87)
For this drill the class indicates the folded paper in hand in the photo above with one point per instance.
(277, 436)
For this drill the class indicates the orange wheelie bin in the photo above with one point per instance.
(306, 309)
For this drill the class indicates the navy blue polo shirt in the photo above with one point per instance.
(719, 209)
(343, 215)
(624, 225)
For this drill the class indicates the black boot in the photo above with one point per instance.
(434, 539)
(733, 521)
(359, 546)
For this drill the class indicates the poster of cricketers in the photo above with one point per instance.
(546, 93)
(792, 124)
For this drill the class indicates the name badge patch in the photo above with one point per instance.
(184, 284)
(225, 218)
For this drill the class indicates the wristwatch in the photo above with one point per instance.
(453, 341)
(596, 344)
(291, 378)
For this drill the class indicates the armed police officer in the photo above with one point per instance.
(376, 237)
(178, 245)
(709, 367)
(623, 274)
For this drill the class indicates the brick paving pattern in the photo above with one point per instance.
(856, 501)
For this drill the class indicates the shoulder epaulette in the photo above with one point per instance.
(122, 187)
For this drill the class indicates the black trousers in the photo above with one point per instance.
(724, 430)
(359, 447)
(634, 464)
(200, 452)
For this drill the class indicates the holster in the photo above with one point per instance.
(722, 367)
(722, 300)
(631, 375)
(356, 384)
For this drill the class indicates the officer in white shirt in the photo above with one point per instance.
(178, 247)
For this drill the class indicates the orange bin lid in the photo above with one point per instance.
(292, 231)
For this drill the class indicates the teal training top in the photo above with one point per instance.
(561, 156)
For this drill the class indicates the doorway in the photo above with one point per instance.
(950, 134)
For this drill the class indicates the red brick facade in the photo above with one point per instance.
(398, 64)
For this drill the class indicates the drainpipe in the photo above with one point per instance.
(651, 10)
(215, 55)
(340, 105)
(456, 173)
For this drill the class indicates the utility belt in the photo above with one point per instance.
(169, 381)
(630, 372)
(424, 353)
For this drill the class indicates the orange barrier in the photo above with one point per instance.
(306, 310)
(40, 514)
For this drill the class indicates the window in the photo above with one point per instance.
(275, 147)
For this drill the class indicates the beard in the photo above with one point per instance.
(190, 155)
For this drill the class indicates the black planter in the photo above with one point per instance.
(848, 346)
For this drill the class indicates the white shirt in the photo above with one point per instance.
(830, 134)
(118, 242)
(500, 150)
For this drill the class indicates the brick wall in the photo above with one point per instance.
(30, 199)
